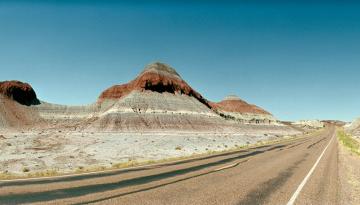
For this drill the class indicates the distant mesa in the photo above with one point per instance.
(157, 77)
(21, 92)
(233, 103)
(232, 107)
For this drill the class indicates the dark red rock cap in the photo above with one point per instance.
(21, 92)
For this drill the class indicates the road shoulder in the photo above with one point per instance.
(349, 171)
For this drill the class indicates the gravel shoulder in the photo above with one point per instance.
(349, 171)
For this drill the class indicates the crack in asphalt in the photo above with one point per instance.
(316, 143)
(276, 147)
(297, 145)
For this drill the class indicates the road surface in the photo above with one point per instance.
(303, 171)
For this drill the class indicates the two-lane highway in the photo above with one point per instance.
(302, 171)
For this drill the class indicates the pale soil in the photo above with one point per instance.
(349, 170)
(67, 152)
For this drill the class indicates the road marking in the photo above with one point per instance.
(301, 186)
(227, 167)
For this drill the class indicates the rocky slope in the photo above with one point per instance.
(232, 107)
(354, 128)
(16, 116)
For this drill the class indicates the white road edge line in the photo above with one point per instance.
(301, 186)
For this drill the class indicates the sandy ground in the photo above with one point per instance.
(31, 152)
(349, 170)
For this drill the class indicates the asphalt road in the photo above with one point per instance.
(304, 170)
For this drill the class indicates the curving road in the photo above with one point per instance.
(302, 171)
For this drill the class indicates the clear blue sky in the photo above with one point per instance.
(298, 60)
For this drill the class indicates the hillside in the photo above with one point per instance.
(232, 107)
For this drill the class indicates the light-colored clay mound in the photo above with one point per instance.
(66, 117)
(148, 110)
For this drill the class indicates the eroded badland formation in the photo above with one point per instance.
(155, 116)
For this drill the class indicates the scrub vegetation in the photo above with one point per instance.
(349, 142)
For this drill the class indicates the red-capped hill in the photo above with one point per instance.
(21, 92)
(157, 77)
(233, 103)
